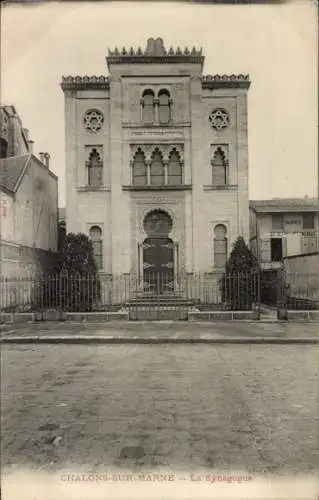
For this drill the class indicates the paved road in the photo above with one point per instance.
(246, 408)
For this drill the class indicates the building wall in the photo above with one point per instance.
(120, 212)
(28, 239)
(18, 261)
(296, 239)
(7, 216)
(36, 208)
(78, 142)
(28, 229)
(292, 223)
(302, 274)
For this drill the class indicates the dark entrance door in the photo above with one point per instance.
(158, 265)
(158, 253)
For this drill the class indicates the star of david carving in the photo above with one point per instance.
(93, 120)
(219, 119)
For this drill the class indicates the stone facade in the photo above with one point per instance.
(190, 132)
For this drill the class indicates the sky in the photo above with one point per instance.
(275, 44)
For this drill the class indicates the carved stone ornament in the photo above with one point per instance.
(93, 120)
(158, 223)
(219, 119)
(165, 150)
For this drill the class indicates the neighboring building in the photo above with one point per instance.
(14, 139)
(157, 162)
(283, 228)
(29, 196)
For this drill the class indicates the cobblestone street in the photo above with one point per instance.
(247, 408)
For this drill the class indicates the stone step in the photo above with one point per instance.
(160, 304)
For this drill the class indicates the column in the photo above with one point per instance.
(148, 167)
(156, 104)
(165, 162)
(131, 171)
(176, 266)
(140, 264)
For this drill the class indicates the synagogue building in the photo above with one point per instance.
(157, 162)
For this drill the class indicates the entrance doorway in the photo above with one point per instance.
(276, 249)
(158, 253)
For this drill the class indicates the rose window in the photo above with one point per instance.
(219, 119)
(93, 120)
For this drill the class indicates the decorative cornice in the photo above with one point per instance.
(224, 187)
(84, 189)
(165, 187)
(155, 52)
(165, 150)
(225, 81)
(85, 82)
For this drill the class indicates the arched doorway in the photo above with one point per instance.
(158, 253)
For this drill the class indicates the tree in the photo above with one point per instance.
(75, 284)
(76, 255)
(241, 279)
(241, 258)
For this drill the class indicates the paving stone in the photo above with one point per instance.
(192, 406)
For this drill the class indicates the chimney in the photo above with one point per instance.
(30, 146)
(45, 158)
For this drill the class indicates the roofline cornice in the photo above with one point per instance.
(153, 59)
(225, 81)
(85, 82)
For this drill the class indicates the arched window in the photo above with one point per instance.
(3, 148)
(220, 246)
(219, 168)
(95, 169)
(139, 174)
(148, 107)
(157, 169)
(175, 170)
(164, 111)
(96, 238)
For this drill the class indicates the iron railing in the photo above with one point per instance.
(213, 291)
(210, 291)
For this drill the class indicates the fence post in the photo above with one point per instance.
(256, 294)
(282, 312)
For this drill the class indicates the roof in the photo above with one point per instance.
(11, 170)
(155, 52)
(285, 205)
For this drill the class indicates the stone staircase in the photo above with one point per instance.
(149, 307)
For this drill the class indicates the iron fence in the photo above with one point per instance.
(210, 291)
(111, 292)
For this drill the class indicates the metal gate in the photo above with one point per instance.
(158, 265)
(161, 296)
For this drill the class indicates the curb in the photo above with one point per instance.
(154, 340)
(10, 325)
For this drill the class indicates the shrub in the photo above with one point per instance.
(74, 286)
(241, 279)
